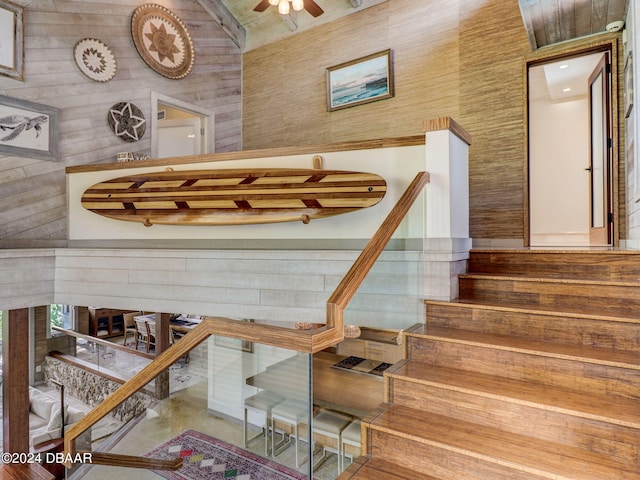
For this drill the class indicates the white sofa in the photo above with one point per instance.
(45, 421)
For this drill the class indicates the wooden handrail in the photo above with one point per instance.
(255, 154)
(137, 382)
(309, 341)
(131, 461)
(363, 264)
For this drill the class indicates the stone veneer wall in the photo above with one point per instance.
(92, 389)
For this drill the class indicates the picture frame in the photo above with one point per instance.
(28, 129)
(234, 343)
(628, 85)
(360, 81)
(11, 40)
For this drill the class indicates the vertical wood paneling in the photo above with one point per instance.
(32, 192)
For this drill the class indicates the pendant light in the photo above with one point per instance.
(283, 7)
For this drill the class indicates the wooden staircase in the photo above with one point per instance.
(534, 373)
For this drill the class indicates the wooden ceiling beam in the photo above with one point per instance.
(226, 20)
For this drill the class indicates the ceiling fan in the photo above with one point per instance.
(283, 6)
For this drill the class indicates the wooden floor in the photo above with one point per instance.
(533, 373)
(24, 471)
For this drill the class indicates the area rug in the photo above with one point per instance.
(362, 365)
(207, 458)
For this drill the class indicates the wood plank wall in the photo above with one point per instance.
(32, 192)
(459, 58)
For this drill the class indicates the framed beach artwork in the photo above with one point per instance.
(364, 80)
(11, 40)
(28, 129)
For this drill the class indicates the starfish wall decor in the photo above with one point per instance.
(127, 121)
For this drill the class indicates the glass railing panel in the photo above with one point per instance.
(110, 360)
(231, 405)
(388, 301)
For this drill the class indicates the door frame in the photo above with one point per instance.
(556, 54)
(207, 117)
(602, 235)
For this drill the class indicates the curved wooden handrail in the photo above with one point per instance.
(309, 341)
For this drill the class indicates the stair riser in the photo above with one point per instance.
(601, 266)
(550, 371)
(614, 336)
(439, 462)
(596, 436)
(548, 294)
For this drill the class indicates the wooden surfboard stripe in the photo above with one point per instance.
(172, 186)
(218, 197)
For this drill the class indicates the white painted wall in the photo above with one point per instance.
(559, 185)
(631, 37)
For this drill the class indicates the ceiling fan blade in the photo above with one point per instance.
(313, 8)
(262, 6)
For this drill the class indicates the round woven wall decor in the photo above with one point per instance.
(162, 40)
(95, 60)
(127, 121)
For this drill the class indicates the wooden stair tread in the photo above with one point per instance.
(560, 278)
(577, 311)
(534, 456)
(522, 345)
(377, 469)
(596, 406)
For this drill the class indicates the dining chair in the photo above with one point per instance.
(151, 331)
(130, 325)
(142, 333)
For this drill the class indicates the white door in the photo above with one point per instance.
(177, 138)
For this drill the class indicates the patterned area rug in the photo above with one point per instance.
(207, 458)
(362, 365)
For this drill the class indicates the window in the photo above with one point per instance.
(61, 316)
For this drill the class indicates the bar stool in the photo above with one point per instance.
(331, 424)
(261, 402)
(292, 412)
(351, 436)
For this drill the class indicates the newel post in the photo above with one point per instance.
(447, 242)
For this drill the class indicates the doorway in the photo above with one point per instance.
(179, 129)
(570, 150)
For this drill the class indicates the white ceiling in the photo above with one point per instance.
(547, 82)
(572, 74)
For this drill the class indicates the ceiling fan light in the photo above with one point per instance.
(283, 7)
(274, 2)
(297, 5)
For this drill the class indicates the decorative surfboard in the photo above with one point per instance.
(233, 196)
